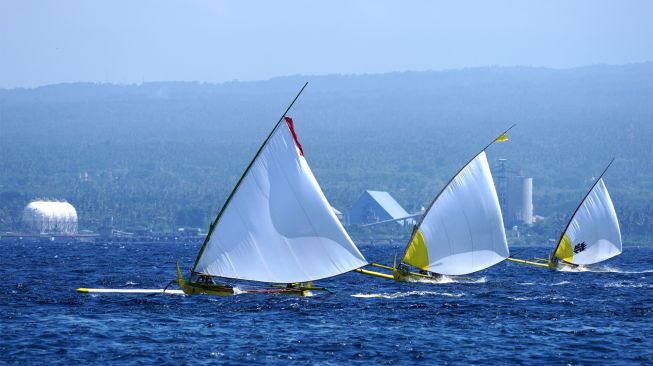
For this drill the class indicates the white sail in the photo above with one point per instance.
(593, 233)
(463, 231)
(278, 226)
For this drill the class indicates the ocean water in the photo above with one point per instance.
(507, 314)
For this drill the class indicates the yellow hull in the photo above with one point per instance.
(192, 288)
(407, 276)
(198, 288)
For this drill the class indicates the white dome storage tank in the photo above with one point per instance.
(50, 217)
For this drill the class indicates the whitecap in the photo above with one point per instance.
(617, 270)
(445, 279)
(409, 293)
(624, 285)
(560, 283)
(366, 296)
(565, 268)
(536, 298)
(595, 268)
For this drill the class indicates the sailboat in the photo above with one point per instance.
(275, 228)
(460, 232)
(592, 234)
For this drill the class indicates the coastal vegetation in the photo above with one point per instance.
(166, 155)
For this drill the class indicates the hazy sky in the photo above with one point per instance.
(51, 41)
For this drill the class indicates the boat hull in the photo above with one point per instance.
(201, 288)
(192, 288)
(407, 276)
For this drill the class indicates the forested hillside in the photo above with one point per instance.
(163, 155)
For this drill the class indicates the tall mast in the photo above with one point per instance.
(226, 203)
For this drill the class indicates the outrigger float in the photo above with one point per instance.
(276, 232)
(592, 235)
(461, 231)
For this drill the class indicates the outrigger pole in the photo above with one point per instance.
(534, 262)
(550, 263)
(226, 203)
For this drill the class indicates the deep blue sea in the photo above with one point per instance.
(509, 314)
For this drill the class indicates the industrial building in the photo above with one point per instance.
(515, 197)
(376, 206)
(49, 217)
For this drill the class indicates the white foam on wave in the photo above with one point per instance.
(397, 295)
(433, 281)
(526, 283)
(617, 270)
(625, 285)
(605, 269)
(556, 298)
(366, 296)
(446, 279)
(574, 269)
(560, 283)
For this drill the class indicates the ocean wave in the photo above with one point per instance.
(625, 285)
(574, 269)
(366, 296)
(599, 269)
(397, 295)
(560, 283)
(445, 279)
(617, 270)
(554, 298)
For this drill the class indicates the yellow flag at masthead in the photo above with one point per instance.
(503, 138)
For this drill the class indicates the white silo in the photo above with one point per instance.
(50, 217)
(527, 201)
(519, 201)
